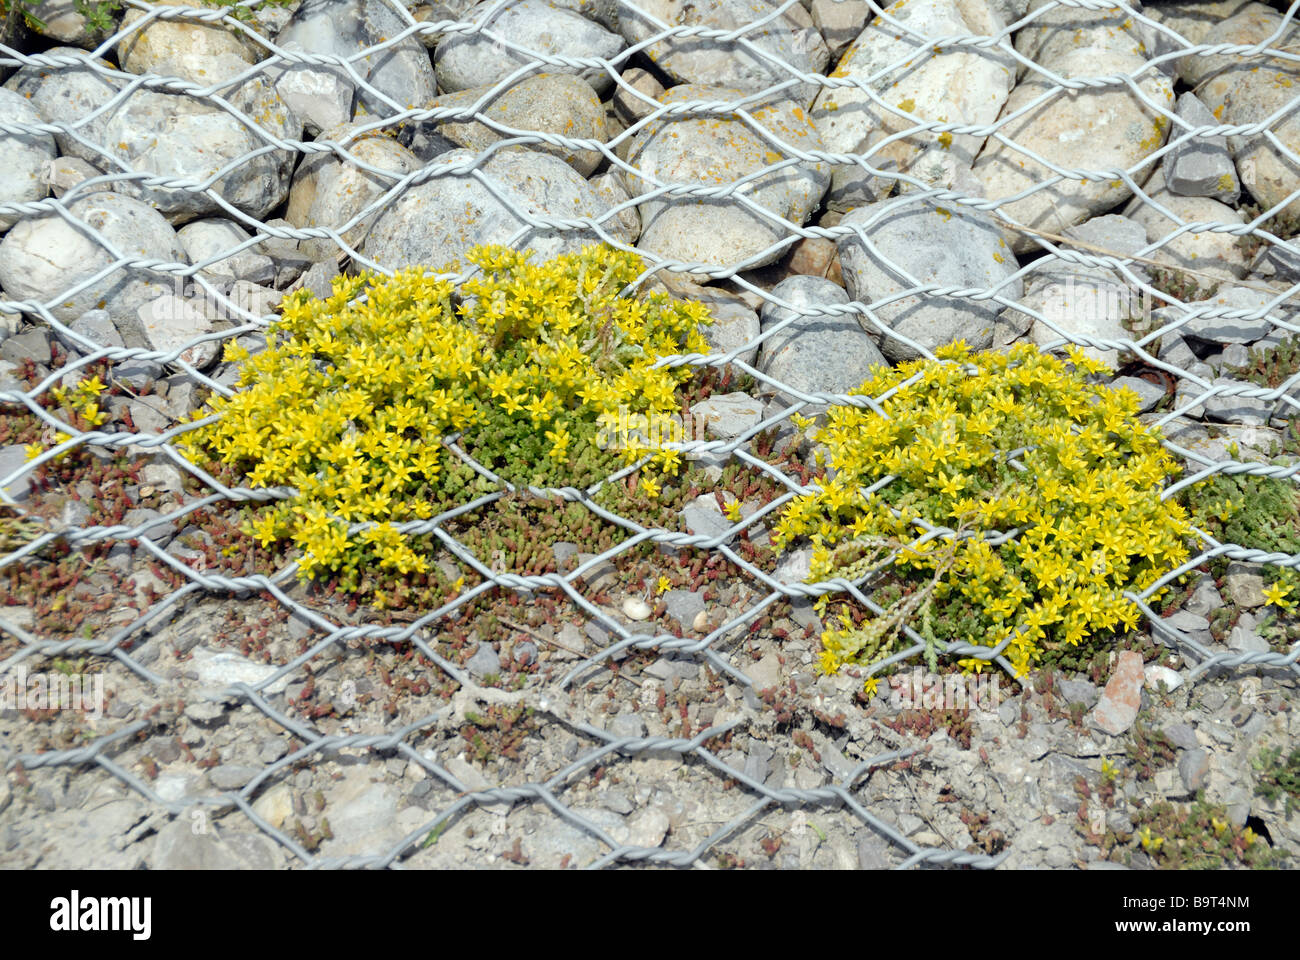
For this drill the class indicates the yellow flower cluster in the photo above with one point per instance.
(1083, 491)
(350, 401)
(81, 405)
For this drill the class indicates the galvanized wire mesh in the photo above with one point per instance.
(551, 701)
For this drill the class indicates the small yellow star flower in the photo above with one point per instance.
(1277, 596)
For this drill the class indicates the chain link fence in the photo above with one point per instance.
(757, 53)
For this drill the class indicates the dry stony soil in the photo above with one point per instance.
(506, 734)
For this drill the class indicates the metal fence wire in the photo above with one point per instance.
(182, 108)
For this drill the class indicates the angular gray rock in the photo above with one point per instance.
(12, 459)
(1220, 329)
(485, 661)
(95, 326)
(171, 322)
(179, 847)
(935, 245)
(1111, 232)
(214, 236)
(1201, 167)
(1149, 394)
(684, 605)
(703, 518)
(728, 415)
(1250, 411)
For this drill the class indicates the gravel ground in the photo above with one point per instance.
(257, 723)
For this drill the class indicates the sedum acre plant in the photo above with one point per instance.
(1086, 507)
(527, 362)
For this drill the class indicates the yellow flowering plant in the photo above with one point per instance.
(1045, 489)
(527, 363)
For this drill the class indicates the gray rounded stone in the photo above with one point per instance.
(215, 237)
(201, 52)
(612, 190)
(1207, 252)
(27, 156)
(735, 324)
(329, 191)
(714, 151)
(960, 85)
(554, 103)
(41, 256)
(69, 95)
(814, 354)
(176, 135)
(401, 73)
(935, 245)
(474, 60)
(61, 20)
(788, 39)
(437, 222)
(1252, 97)
(1103, 128)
